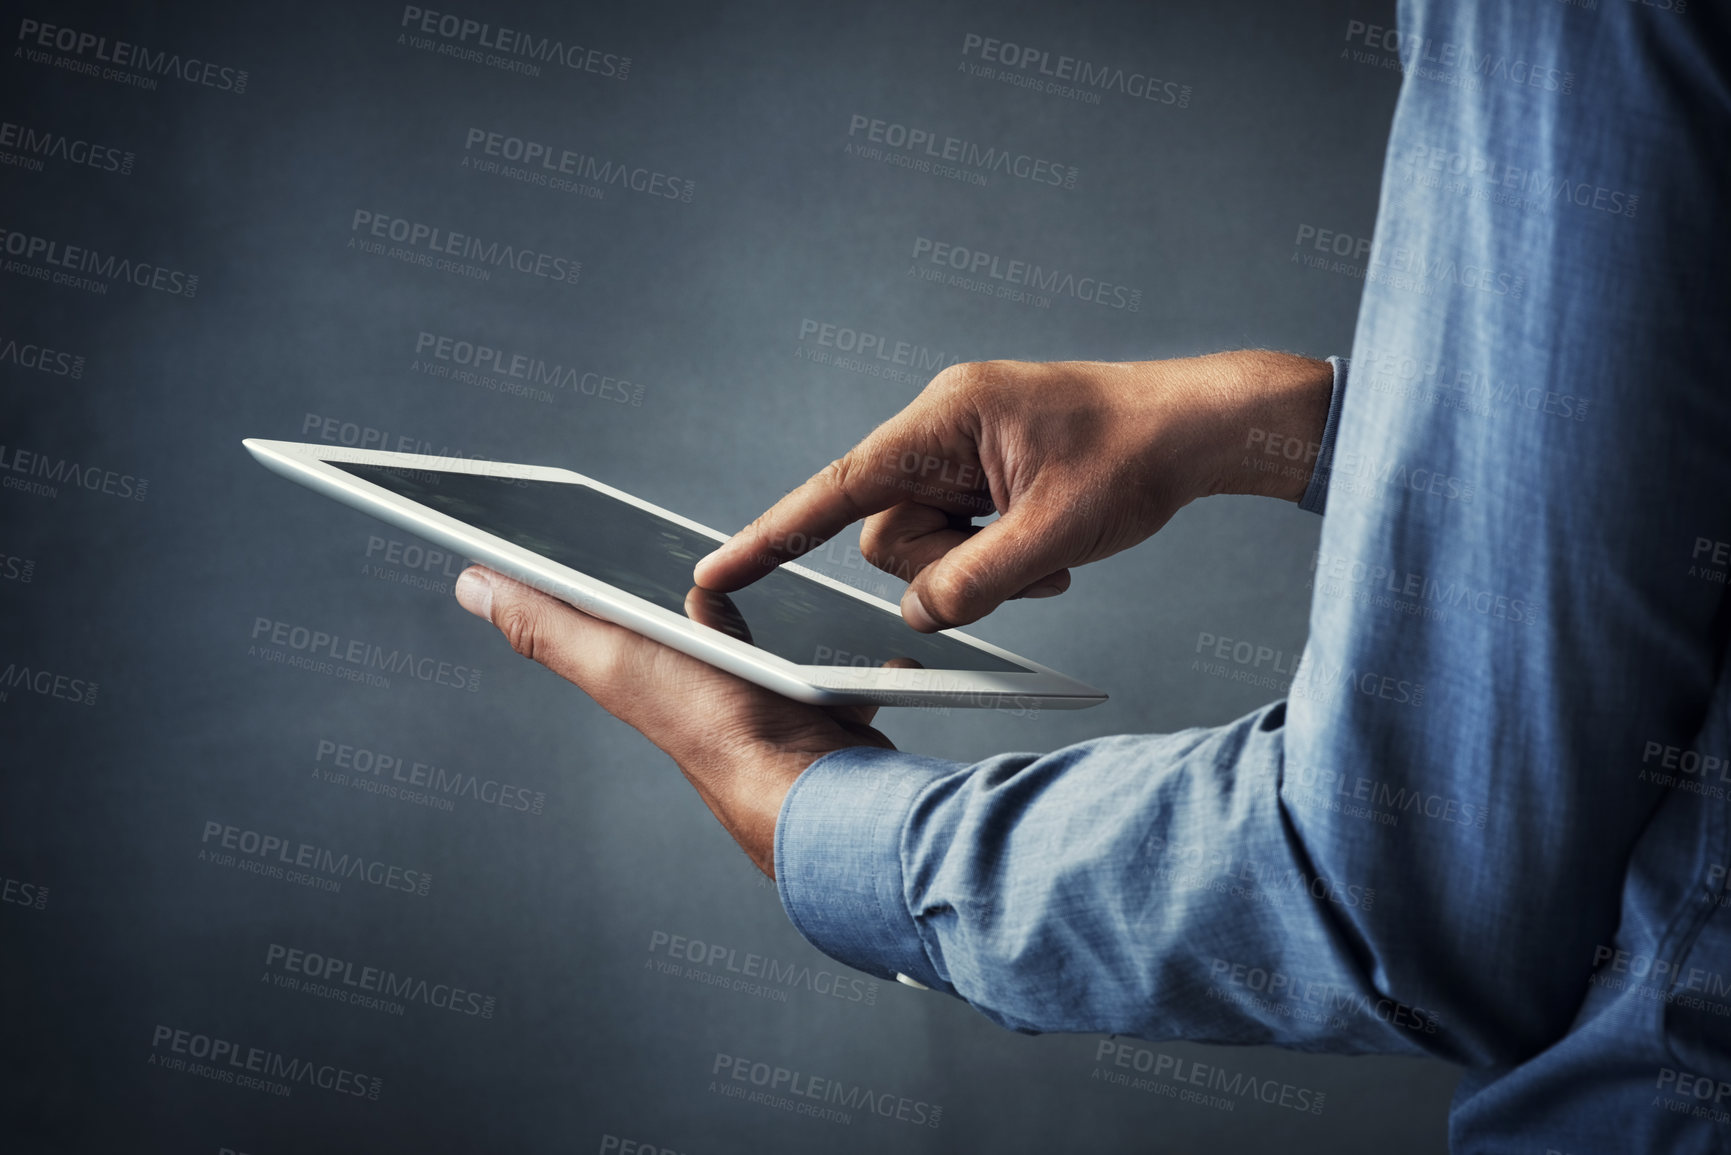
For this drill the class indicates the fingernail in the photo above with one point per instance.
(914, 613)
(1046, 591)
(475, 592)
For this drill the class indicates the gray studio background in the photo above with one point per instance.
(560, 919)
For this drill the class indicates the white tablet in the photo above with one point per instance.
(622, 559)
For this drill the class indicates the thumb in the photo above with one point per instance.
(999, 562)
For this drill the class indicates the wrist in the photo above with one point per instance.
(1272, 411)
(744, 788)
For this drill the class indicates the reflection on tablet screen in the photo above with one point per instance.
(642, 553)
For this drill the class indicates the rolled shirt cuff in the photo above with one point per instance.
(838, 859)
(1315, 497)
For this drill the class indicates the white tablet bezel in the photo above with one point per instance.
(309, 465)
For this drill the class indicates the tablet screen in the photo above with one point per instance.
(642, 553)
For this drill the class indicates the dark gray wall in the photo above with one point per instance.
(165, 711)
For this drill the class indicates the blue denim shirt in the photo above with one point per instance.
(1489, 823)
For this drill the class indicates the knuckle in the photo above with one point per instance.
(962, 377)
(952, 592)
(978, 375)
(877, 537)
(841, 474)
(521, 626)
(987, 388)
(609, 662)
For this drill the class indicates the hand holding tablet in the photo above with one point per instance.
(700, 641)
(1082, 459)
(621, 559)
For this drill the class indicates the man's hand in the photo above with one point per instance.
(1082, 458)
(740, 745)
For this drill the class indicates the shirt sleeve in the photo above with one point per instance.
(1315, 497)
(838, 864)
(1138, 885)
(1518, 619)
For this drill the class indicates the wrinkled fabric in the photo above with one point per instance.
(1489, 822)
